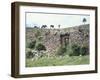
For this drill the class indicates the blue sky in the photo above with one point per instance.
(55, 19)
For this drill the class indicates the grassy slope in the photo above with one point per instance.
(54, 61)
(58, 61)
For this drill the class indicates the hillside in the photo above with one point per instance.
(51, 38)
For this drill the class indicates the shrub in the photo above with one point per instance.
(37, 34)
(29, 54)
(61, 51)
(84, 51)
(40, 38)
(32, 44)
(75, 50)
(40, 47)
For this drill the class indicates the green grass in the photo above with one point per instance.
(58, 61)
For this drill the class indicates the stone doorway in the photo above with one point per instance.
(64, 39)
